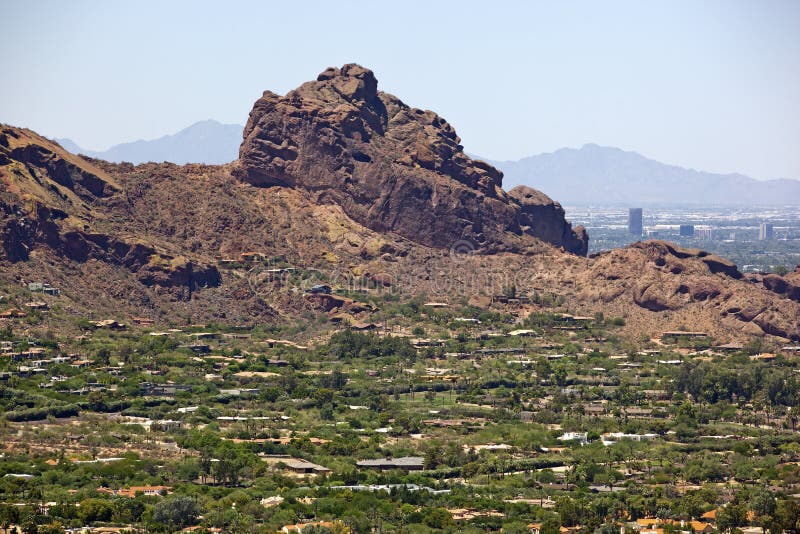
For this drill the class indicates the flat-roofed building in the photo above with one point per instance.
(635, 225)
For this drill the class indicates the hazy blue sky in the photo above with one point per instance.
(713, 85)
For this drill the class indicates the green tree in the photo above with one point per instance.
(787, 515)
(103, 356)
(763, 505)
(568, 510)
(551, 524)
(91, 510)
(432, 457)
(54, 527)
(731, 517)
(438, 518)
(29, 526)
(176, 512)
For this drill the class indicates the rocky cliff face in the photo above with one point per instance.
(541, 216)
(708, 291)
(391, 167)
(60, 201)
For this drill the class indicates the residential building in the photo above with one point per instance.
(406, 463)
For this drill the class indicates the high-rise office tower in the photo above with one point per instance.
(635, 226)
(765, 232)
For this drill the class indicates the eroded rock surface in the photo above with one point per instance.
(391, 167)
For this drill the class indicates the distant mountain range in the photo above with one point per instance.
(591, 174)
(207, 141)
(595, 174)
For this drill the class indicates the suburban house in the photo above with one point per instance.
(150, 491)
(580, 437)
(406, 463)
(675, 335)
(304, 467)
(252, 257)
(167, 390)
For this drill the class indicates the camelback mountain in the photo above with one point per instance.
(349, 185)
(390, 167)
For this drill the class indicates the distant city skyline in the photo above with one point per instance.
(713, 86)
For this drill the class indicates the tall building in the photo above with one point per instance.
(687, 230)
(765, 232)
(704, 233)
(635, 226)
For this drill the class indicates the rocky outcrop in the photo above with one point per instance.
(787, 285)
(178, 272)
(23, 233)
(662, 277)
(53, 198)
(715, 264)
(152, 268)
(43, 170)
(541, 216)
(391, 167)
(16, 239)
(81, 181)
(335, 303)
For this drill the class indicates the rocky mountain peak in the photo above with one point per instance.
(352, 81)
(391, 167)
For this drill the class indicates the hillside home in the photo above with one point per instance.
(166, 425)
(165, 390)
(320, 289)
(406, 463)
(304, 467)
(150, 491)
(730, 347)
(205, 335)
(673, 336)
(198, 348)
(504, 299)
(580, 437)
(610, 438)
(522, 333)
(252, 257)
(636, 412)
(240, 392)
(594, 409)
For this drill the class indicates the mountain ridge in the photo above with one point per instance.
(211, 142)
(207, 141)
(341, 184)
(601, 174)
